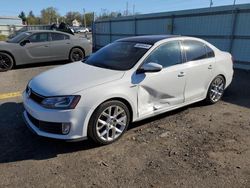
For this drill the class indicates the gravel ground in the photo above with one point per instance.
(196, 146)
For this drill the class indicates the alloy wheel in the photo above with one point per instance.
(217, 89)
(111, 123)
(6, 62)
(77, 55)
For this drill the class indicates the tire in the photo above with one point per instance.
(6, 62)
(76, 54)
(215, 90)
(104, 128)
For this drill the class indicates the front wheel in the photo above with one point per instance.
(76, 54)
(6, 62)
(108, 123)
(216, 90)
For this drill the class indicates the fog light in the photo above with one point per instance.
(66, 128)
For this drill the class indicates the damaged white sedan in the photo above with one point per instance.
(126, 81)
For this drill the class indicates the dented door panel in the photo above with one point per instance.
(160, 90)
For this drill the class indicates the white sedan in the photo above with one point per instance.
(126, 81)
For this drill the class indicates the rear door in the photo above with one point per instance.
(199, 65)
(60, 46)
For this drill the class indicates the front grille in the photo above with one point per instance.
(49, 127)
(34, 96)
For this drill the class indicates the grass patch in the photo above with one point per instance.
(3, 37)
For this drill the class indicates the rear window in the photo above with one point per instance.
(58, 36)
(210, 52)
(195, 50)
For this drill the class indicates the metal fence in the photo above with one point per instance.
(227, 27)
(15, 29)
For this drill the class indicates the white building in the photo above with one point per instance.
(9, 24)
(75, 23)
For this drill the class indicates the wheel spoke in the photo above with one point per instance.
(105, 115)
(113, 132)
(118, 112)
(104, 132)
(123, 118)
(102, 122)
(100, 127)
(109, 110)
(118, 130)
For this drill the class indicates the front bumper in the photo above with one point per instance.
(34, 111)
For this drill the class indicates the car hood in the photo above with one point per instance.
(72, 78)
(4, 44)
(8, 46)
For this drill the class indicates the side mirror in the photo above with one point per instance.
(24, 42)
(150, 67)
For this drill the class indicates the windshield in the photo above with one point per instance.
(118, 55)
(19, 37)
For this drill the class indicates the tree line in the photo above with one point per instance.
(50, 15)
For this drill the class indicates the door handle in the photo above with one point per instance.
(46, 46)
(181, 74)
(210, 67)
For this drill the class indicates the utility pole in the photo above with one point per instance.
(234, 2)
(127, 8)
(133, 9)
(84, 18)
(211, 3)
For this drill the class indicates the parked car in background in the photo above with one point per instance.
(81, 30)
(42, 46)
(126, 81)
(90, 29)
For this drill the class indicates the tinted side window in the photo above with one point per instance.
(57, 36)
(39, 37)
(195, 50)
(210, 52)
(166, 55)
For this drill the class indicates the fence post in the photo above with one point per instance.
(172, 24)
(135, 25)
(234, 21)
(110, 31)
(93, 37)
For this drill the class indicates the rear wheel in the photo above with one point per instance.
(6, 62)
(76, 54)
(109, 122)
(216, 90)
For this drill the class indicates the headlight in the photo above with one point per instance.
(62, 102)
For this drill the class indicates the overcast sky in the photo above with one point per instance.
(14, 7)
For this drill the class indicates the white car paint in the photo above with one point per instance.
(183, 84)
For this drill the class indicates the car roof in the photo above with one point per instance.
(51, 31)
(147, 39)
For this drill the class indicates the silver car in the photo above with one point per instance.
(42, 46)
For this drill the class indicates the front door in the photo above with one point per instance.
(165, 89)
(38, 50)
